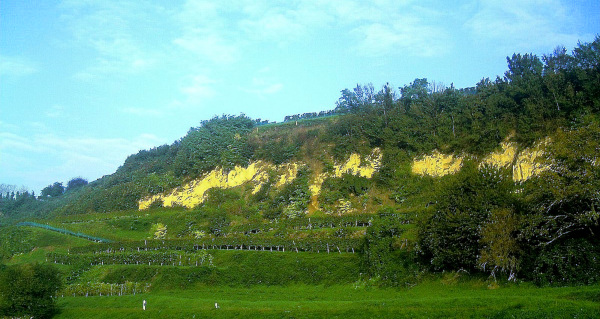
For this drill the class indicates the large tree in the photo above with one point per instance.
(53, 190)
(29, 290)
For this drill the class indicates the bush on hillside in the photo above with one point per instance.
(29, 290)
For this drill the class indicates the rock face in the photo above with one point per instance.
(523, 162)
(257, 173)
(437, 164)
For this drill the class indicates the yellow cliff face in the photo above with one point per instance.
(289, 172)
(437, 164)
(524, 163)
(502, 158)
(526, 166)
(193, 193)
(354, 165)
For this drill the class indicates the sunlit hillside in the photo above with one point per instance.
(490, 187)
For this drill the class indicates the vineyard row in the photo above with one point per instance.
(228, 243)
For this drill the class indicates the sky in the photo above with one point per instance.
(84, 84)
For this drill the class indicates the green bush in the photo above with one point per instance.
(574, 261)
(29, 290)
(450, 238)
(335, 188)
(388, 256)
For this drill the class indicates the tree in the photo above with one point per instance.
(564, 200)
(385, 255)
(562, 218)
(219, 142)
(29, 290)
(415, 91)
(451, 238)
(53, 190)
(75, 183)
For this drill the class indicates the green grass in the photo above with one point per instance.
(46, 241)
(125, 225)
(427, 300)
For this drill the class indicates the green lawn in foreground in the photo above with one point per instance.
(427, 300)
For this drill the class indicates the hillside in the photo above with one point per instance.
(500, 181)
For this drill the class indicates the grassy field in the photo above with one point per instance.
(427, 300)
(254, 284)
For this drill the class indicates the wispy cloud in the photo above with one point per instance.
(55, 111)
(263, 84)
(206, 32)
(405, 36)
(107, 28)
(196, 90)
(523, 24)
(65, 157)
(210, 46)
(16, 66)
(264, 89)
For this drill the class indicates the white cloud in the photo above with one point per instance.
(200, 88)
(523, 24)
(11, 141)
(16, 66)
(115, 33)
(263, 83)
(196, 91)
(42, 159)
(405, 36)
(210, 46)
(280, 24)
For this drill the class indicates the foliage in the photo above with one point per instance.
(388, 256)
(29, 289)
(15, 240)
(159, 231)
(451, 237)
(574, 261)
(75, 183)
(293, 198)
(104, 289)
(220, 142)
(53, 190)
(563, 204)
(337, 188)
(564, 199)
(500, 251)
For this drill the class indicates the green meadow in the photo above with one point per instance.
(256, 284)
(433, 299)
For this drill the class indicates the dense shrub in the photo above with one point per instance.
(335, 188)
(219, 142)
(386, 254)
(573, 261)
(29, 290)
(451, 237)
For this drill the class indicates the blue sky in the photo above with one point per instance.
(84, 84)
